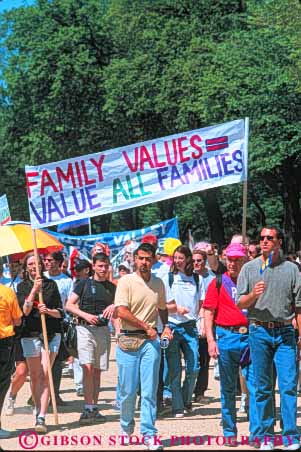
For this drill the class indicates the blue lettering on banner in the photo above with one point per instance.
(117, 240)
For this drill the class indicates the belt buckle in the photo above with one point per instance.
(243, 329)
(271, 324)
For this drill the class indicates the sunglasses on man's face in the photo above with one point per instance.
(269, 237)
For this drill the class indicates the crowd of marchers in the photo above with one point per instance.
(172, 309)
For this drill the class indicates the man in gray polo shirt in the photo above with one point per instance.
(270, 288)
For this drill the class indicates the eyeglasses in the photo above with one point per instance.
(269, 237)
(197, 260)
(48, 260)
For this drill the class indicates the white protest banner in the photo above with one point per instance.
(137, 174)
(4, 211)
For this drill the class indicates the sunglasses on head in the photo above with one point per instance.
(269, 237)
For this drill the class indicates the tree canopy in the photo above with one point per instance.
(85, 76)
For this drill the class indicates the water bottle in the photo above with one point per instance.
(102, 320)
(164, 342)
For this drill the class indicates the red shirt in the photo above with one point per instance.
(226, 311)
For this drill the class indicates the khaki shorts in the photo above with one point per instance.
(94, 345)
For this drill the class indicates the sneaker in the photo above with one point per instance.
(242, 407)
(267, 446)
(167, 401)
(188, 408)
(10, 409)
(40, 426)
(163, 410)
(255, 444)
(231, 441)
(97, 416)
(201, 398)
(216, 370)
(87, 417)
(4, 434)
(80, 392)
(67, 372)
(124, 438)
(116, 406)
(178, 415)
(294, 446)
(151, 443)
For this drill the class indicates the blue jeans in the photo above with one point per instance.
(231, 346)
(134, 368)
(278, 345)
(185, 339)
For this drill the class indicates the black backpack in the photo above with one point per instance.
(218, 282)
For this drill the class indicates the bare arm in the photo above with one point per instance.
(298, 320)
(163, 313)
(171, 307)
(212, 258)
(72, 306)
(209, 322)
(125, 314)
(246, 301)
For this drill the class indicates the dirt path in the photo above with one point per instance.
(199, 430)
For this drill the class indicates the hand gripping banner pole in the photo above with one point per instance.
(44, 330)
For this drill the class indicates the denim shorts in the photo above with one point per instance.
(32, 346)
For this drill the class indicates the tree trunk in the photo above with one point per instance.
(214, 215)
(292, 210)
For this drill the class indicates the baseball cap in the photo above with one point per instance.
(150, 238)
(81, 264)
(101, 248)
(235, 250)
(125, 265)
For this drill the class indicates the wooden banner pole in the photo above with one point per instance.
(245, 184)
(45, 336)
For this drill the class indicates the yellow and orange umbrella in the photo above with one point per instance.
(17, 239)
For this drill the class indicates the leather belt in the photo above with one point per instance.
(135, 331)
(235, 329)
(271, 325)
(85, 323)
(33, 334)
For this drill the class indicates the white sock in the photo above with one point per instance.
(244, 397)
(89, 407)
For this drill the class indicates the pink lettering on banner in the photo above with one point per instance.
(177, 150)
(30, 183)
(46, 181)
(68, 176)
(98, 165)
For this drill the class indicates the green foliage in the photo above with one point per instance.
(80, 77)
